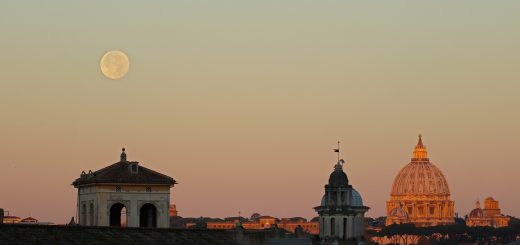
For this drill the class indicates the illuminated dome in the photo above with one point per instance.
(477, 212)
(420, 176)
(422, 191)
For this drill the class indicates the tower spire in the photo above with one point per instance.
(420, 153)
(340, 162)
(123, 155)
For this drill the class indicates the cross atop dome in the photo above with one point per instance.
(420, 153)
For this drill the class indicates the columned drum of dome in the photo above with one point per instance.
(421, 191)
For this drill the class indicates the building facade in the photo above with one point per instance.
(341, 212)
(29, 220)
(11, 219)
(420, 193)
(489, 216)
(173, 210)
(124, 194)
(265, 222)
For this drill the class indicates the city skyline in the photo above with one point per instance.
(243, 103)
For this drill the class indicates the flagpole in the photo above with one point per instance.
(338, 150)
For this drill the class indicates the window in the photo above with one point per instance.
(432, 210)
(148, 189)
(344, 228)
(118, 188)
(91, 214)
(332, 227)
(133, 168)
(83, 220)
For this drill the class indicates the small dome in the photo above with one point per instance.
(338, 178)
(324, 201)
(356, 198)
(476, 213)
(398, 213)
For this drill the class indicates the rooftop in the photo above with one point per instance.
(122, 173)
(41, 234)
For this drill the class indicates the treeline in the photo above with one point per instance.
(446, 234)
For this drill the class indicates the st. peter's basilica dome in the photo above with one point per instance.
(420, 176)
(421, 190)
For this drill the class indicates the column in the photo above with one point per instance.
(350, 225)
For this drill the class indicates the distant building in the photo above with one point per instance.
(29, 220)
(12, 219)
(420, 193)
(341, 210)
(263, 222)
(173, 210)
(124, 192)
(489, 216)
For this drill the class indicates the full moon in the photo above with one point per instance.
(114, 64)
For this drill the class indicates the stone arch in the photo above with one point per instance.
(118, 215)
(148, 216)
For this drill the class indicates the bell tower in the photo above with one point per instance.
(341, 211)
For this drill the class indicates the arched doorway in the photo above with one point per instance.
(148, 216)
(118, 215)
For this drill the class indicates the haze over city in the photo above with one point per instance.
(243, 102)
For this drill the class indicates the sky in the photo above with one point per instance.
(242, 102)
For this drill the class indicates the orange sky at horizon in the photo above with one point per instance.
(243, 102)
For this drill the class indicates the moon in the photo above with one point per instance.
(114, 64)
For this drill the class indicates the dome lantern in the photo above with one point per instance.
(338, 178)
(420, 153)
